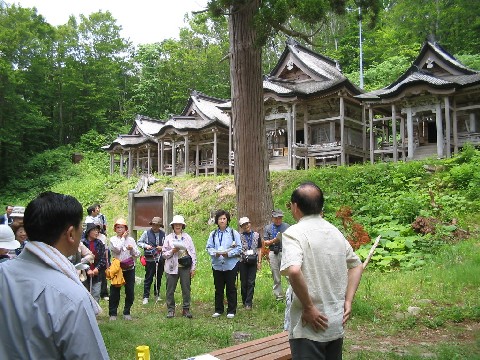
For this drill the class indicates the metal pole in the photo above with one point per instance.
(360, 40)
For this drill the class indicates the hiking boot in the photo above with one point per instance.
(145, 301)
(170, 314)
(187, 313)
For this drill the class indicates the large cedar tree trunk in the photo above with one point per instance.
(252, 177)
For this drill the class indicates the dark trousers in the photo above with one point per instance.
(150, 268)
(225, 280)
(305, 349)
(103, 287)
(129, 276)
(248, 274)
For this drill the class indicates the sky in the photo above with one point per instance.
(142, 21)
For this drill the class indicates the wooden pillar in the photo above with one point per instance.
(394, 133)
(342, 131)
(112, 163)
(372, 138)
(364, 134)
(197, 159)
(455, 127)
(149, 160)
(137, 153)
(439, 123)
(306, 135)
(410, 133)
(187, 160)
(174, 159)
(158, 157)
(162, 151)
(402, 136)
(130, 163)
(121, 163)
(291, 139)
(447, 127)
(215, 152)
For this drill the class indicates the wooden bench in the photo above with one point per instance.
(274, 347)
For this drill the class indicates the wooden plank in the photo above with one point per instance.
(274, 347)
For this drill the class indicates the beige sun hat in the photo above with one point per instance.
(156, 220)
(243, 220)
(7, 238)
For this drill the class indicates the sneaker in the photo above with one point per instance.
(248, 307)
(279, 298)
(127, 317)
(145, 301)
(157, 298)
(230, 316)
(113, 318)
(187, 313)
(170, 314)
(106, 298)
(216, 315)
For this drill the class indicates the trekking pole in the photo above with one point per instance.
(155, 287)
(91, 281)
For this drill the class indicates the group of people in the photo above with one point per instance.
(322, 270)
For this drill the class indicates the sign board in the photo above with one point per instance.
(142, 208)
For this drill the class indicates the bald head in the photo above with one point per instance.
(309, 198)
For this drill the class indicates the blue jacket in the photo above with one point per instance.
(228, 240)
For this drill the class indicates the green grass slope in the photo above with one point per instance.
(418, 297)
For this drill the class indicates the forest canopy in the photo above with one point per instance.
(61, 83)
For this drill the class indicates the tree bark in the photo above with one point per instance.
(252, 176)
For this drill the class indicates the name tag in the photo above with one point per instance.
(249, 252)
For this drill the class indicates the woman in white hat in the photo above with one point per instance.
(250, 260)
(7, 242)
(123, 248)
(180, 263)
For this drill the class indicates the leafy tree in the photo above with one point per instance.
(169, 70)
(25, 40)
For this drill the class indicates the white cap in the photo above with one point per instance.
(243, 220)
(178, 219)
(7, 238)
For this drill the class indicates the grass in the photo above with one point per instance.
(445, 291)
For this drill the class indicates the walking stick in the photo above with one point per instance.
(91, 280)
(155, 287)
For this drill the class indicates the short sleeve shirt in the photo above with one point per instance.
(324, 256)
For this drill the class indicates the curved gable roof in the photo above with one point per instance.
(301, 71)
(435, 68)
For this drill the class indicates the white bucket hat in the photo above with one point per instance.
(7, 238)
(243, 220)
(178, 219)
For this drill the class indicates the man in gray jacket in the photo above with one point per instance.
(45, 311)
